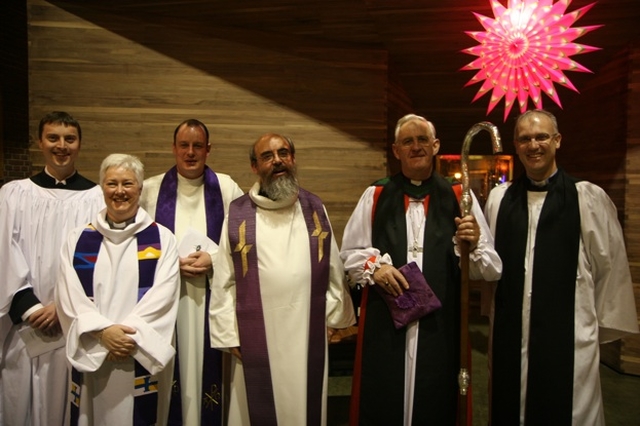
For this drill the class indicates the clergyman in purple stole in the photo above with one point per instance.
(255, 356)
(211, 413)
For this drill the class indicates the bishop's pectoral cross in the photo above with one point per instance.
(415, 249)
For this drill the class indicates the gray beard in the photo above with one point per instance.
(282, 188)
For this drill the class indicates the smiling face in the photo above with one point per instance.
(121, 193)
(191, 149)
(275, 166)
(60, 145)
(274, 159)
(536, 140)
(415, 147)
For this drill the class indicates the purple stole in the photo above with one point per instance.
(84, 261)
(253, 338)
(211, 404)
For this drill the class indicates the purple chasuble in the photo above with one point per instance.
(145, 407)
(253, 338)
(211, 404)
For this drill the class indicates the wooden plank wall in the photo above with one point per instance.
(632, 210)
(594, 131)
(629, 348)
(130, 84)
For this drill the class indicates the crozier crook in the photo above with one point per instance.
(466, 201)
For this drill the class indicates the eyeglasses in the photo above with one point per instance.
(267, 157)
(540, 138)
(423, 141)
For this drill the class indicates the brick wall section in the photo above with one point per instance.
(17, 162)
(14, 96)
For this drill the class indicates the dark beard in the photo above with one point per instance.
(281, 188)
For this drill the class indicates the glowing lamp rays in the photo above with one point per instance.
(525, 50)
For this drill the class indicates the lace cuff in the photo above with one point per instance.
(474, 253)
(372, 264)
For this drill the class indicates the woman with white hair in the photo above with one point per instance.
(117, 301)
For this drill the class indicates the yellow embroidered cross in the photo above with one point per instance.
(211, 398)
(242, 247)
(318, 232)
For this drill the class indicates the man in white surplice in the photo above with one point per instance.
(192, 201)
(269, 281)
(36, 214)
(566, 286)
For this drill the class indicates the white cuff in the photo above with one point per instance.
(28, 312)
(371, 266)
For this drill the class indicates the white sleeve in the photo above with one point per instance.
(484, 262)
(154, 316)
(604, 246)
(223, 323)
(359, 257)
(15, 269)
(340, 311)
(78, 314)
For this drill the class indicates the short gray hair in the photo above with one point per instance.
(413, 117)
(127, 162)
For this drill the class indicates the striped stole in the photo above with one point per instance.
(84, 262)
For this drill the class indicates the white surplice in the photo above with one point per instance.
(284, 268)
(107, 392)
(34, 223)
(604, 302)
(190, 215)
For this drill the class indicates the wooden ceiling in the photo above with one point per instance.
(423, 39)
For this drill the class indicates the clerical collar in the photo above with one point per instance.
(120, 225)
(543, 185)
(416, 188)
(261, 199)
(57, 182)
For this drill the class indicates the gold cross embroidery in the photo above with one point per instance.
(212, 398)
(242, 247)
(318, 232)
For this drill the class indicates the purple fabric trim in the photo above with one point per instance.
(319, 283)
(168, 194)
(88, 247)
(253, 337)
(85, 257)
(251, 326)
(210, 413)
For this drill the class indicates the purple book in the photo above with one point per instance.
(414, 303)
